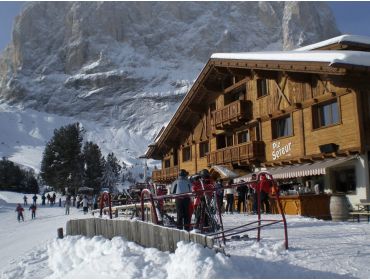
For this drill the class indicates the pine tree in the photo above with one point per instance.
(93, 167)
(62, 163)
(111, 172)
(13, 178)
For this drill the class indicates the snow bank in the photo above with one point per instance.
(80, 257)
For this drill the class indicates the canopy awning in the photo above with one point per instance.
(303, 170)
(223, 172)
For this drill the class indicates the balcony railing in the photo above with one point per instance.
(243, 152)
(167, 174)
(232, 113)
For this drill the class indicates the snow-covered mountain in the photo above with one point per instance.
(122, 68)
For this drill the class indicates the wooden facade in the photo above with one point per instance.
(250, 114)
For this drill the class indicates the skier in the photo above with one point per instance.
(25, 200)
(74, 201)
(48, 197)
(19, 210)
(85, 204)
(33, 211)
(182, 185)
(34, 198)
(54, 197)
(43, 199)
(67, 204)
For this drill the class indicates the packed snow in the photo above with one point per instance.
(330, 57)
(317, 249)
(25, 133)
(337, 40)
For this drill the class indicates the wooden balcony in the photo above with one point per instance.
(165, 175)
(232, 113)
(254, 150)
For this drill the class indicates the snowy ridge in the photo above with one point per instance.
(126, 66)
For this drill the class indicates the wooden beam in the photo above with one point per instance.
(197, 108)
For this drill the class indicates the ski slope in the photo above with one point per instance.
(317, 249)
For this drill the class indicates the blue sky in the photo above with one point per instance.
(352, 17)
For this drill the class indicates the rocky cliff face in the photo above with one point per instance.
(127, 65)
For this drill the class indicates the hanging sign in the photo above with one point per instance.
(278, 150)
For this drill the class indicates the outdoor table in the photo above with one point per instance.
(363, 209)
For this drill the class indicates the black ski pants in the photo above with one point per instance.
(182, 209)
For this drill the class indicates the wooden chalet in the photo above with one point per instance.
(299, 114)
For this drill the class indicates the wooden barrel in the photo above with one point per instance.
(339, 207)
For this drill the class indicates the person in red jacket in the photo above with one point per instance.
(264, 186)
(19, 210)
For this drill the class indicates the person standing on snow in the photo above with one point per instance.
(43, 199)
(33, 211)
(230, 191)
(34, 198)
(253, 192)
(85, 204)
(67, 204)
(219, 193)
(182, 185)
(242, 190)
(264, 187)
(25, 200)
(19, 210)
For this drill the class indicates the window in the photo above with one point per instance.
(186, 154)
(282, 127)
(345, 179)
(236, 94)
(262, 87)
(167, 163)
(243, 137)
(229, 140)
(203, 149)
(325, 114)
(223, 141)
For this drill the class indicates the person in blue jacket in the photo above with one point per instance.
(182, 185)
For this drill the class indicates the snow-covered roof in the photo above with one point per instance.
(330, 57)
(356, 39)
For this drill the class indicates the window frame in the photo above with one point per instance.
(184, 151)
(262, 91)
(275, 130)
(239, 135)
(167, 160)
(318, 111)
(203, 153)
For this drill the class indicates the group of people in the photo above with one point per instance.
(246, 190)
(205, 188)
(19, 209)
